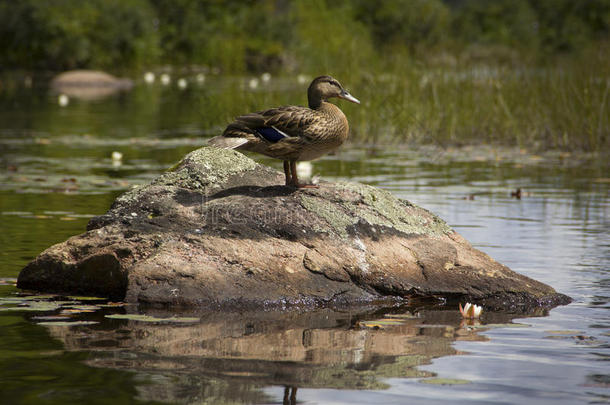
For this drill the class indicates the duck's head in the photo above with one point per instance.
(325, 87)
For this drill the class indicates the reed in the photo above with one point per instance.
(561, 106)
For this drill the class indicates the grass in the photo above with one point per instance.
(564, 106)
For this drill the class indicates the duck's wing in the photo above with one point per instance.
(276, 124)
(280, 132)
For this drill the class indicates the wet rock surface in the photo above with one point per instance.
(220, 231)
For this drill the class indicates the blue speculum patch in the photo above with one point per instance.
(271, 134)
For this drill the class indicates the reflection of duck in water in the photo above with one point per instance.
(293, 133)
(290, 396)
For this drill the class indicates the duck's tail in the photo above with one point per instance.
(226, 142)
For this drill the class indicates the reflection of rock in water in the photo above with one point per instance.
(230, 356)
(89, 84)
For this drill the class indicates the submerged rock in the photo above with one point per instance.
(89, 84)
(217, 230)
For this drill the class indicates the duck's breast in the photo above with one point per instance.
(327, 134)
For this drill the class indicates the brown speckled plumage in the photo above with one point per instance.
(306, 133)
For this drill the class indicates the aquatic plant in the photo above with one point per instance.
(470, 311)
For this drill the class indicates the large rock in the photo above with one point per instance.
(89, 78)
(89, 84)
(218, 230)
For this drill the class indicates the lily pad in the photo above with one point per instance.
(10, 300)
(21, 298)
(84, 308)
(499, 325)
(113, 305)
(8, 281)
(556, 337)
(401, 316)
(445, 381)
(71, 311)
(51, 318)
(79, 298)
(564, 332)
(34, 306)
(67, 323)
(41, 297)
(371, 325)
(148, 318)
(380, 323)
(391, 321)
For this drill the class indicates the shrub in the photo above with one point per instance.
(68, 34)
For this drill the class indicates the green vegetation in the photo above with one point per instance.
(68, 34)
(528, 72)
(272, 35)
(560, 107)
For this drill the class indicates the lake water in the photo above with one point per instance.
(56, 172)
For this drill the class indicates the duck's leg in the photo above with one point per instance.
(287, 173)
(295, 179)
(293, 171)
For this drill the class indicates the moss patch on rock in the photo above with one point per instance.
(338, 220)
(200, 170)
(351, 203)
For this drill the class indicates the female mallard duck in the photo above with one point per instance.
(293, 133)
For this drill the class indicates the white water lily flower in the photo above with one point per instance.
(302, 79)
(470, 311)
(149, 77)
(63, 100)
(253, 83)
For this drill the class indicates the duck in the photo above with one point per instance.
(293, 133)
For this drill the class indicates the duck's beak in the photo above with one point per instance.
(346, 96)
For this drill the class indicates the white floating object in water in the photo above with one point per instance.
(304, 170)
(63, 100)
(200, 78)
(302, 79)
(182, 83)
(470, 311)
(253, 83)
(117, 158)
(165, 79)
(149, 77)
(265, 77)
